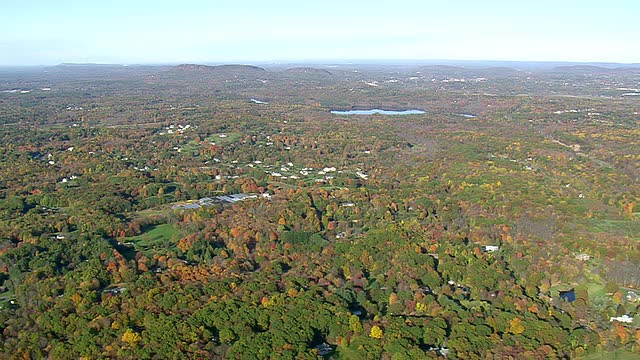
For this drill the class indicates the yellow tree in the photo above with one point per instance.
(131, 337)
(515, 326)
(376, 332)
(627, 209)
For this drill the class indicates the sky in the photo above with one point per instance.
(47, 32)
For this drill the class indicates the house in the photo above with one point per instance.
(490, 248)
(632, 296)
(442, 351)
(115, 291)
(191, 206)
(623, 319)
(583, 257)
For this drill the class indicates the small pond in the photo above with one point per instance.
(377, 111)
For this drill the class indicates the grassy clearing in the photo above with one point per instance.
(155, 237)
(595, 290)
(620, 354)
(155, 212)
(629, 228)
(224, 138)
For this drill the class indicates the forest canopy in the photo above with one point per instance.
(189, 212)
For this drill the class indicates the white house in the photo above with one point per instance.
(583, 257)
(624, 319)
(490, 248)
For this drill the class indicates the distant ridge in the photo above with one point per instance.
(501, 69)
(462, 71)
(589, 68)
(230, 68)
(593, 69)
(308, 70)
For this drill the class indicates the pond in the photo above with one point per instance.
(377, 111)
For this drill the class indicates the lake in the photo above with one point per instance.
(377, 111)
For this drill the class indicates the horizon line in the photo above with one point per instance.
(362, 61)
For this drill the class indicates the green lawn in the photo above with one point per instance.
(155, 237)
(157, 211)
(630, 228)
(230, 137)
(620, 354)
(595, 289)
(193, 147)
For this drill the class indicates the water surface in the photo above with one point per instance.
(377, 111)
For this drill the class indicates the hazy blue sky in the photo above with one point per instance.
(143, 31)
